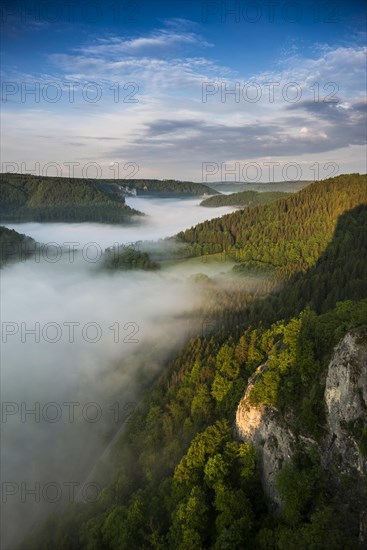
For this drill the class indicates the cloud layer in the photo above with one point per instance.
(167, 104)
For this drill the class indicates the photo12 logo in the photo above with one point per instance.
(54, 92)
(69, 412)
(53, 252)
(243, 12)
(267, 171)
(54, 492)
(68, 331)
(268, 92)
(51, 492)
(73, 169)
(86, 11)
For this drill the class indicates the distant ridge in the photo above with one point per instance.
(243, 198)
(287, 235)
(27, 198)
(289, 186)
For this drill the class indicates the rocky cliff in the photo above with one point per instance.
(345, 404)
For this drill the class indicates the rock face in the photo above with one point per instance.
(261, 426)
(345, 402)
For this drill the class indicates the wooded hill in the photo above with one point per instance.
(51, 199)
(171, 188)
(15, 246)
(54, 199)
(288, 235)
(244, 198)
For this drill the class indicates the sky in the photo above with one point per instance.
(190, 90)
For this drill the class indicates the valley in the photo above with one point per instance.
(184, 323)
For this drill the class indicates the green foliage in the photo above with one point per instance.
(281, 357)
(206, 444)
(201, 405)
(315, 514)
(183, 480)
(295, 488)
(53, 199)
(122, 529)
(215, 471)
(288, 235)
(363, 441)
(234, 512)
(244, 198)
(190, 523)
(168, 188)
(15, 246)
(127, 258)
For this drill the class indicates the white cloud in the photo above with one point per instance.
(158, 42)
(169, 132)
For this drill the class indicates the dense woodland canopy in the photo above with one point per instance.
(285, 186)
(47, 199)
(25, 197)
(288, 235)
(178, 478)
(168, 187)
(127, 258)
(244, 198)
(15, 246)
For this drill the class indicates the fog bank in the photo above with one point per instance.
(164, 218)
(79, 345)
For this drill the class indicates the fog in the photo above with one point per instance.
(101, 338)
(164, 218)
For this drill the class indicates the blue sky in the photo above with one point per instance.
(143, 88)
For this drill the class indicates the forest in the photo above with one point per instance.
(172, 188)
(244, 198)
(128, 258)
(287, 235)
(26, 197)
(285, 186)
(15, 246)
(49, 199)
(179, 477)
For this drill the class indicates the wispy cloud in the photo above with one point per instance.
(158, 43)
(170, 125)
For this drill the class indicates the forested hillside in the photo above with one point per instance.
(254, 297)
(179, 478)
(15, 246)
(244, 198)
(168, 187)
(51, 199)
(288, 235)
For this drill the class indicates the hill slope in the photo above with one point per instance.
(180, 479)
(288, 235)
(51, 199)
(15, 246)
(244, 198)
(171, 188)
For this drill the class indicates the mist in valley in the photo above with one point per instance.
(164, 217)
(79, 345)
